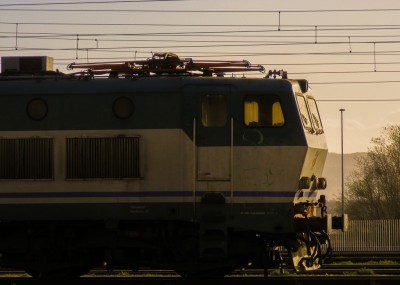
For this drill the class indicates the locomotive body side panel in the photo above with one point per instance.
(265, 161)
(162, 161)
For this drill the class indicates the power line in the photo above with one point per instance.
(84, 37)
(358, 100)
(223, 43)
(344, 72)
(132, 49)
(85, 2)
(212, 54)
(203, 11)
(214, 44)
(219, 34)
(205, 25)
(355, 82)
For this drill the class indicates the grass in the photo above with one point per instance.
(371, 262)
(15, 275)
(278, 272)
(361, 271)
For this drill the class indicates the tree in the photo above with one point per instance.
(373, 190)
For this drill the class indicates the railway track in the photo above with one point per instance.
(363, 256)
(355, 269)
(327, 270)
(283, 280)
(363, 267)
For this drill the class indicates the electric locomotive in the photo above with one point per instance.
(163, 163)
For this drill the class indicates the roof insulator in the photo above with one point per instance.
(274, 73)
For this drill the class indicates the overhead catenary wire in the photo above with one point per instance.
(309, 27)
(271, 28)
(203, 11)
(226, 38)
(217, 54)
(358, 100)
(356, 82)
(72, 37)
(86, 2)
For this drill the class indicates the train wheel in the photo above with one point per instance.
(308, 255)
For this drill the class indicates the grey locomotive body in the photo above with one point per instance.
(198, 174)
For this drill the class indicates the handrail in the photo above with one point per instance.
(231, 162)
(194, 168)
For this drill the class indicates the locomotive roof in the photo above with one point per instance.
(160, 64)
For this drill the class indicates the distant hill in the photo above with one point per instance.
(333, 172)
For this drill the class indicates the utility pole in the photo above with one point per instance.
(341, 128)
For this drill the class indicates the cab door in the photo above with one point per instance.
(207, 108)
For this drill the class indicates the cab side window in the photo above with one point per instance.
(263, 111)
(213, 110)
(305, 117)
(316, 119)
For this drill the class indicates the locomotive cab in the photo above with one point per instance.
(258, 152)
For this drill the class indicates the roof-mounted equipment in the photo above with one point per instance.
(16, 65)
(165, 63)
(274, 73)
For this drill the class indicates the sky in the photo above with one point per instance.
(349, 51)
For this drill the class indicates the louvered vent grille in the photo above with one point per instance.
(26, 158)
(103, 157)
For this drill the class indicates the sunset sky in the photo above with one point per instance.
(348, 50)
